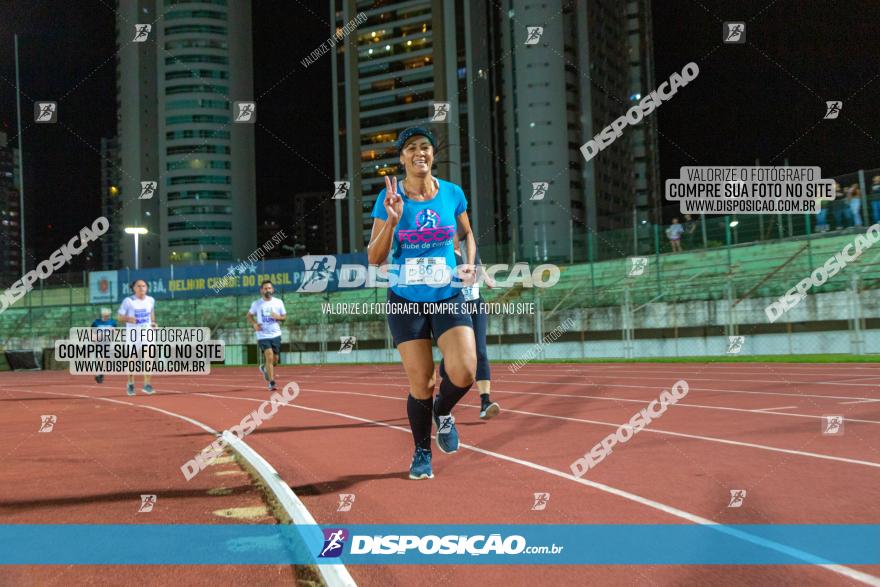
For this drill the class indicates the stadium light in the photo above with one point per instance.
(136, 231)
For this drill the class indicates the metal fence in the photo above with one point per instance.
(678, 305)
(694, 303)
(642, 237)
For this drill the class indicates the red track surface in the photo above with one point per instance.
(347, 433)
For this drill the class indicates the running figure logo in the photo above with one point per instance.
(346, 500)
(141, 32)
(147, 503)
(735, 344)
(427, 218)
(535, 33)
(340, 189)
(317, 273)
(148, 189)
(346, 344)
(334, 542)
(46, 112)
(541, 501)
(734, 32)
(245, 112)
(539, 190)
(637, 266)
(832, 109)
(832, 425)
(47, 423)
(439, 111)
(737, 497)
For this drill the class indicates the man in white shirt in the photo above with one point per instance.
(266, 315)
(138, 311)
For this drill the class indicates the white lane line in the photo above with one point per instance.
(682, 374)
(557, 384)
(601, 398)
(682, 405)
(863, 377)
(323, 379)
(860, 401)
(617, 425)
(333, 575)
(587, 375)
(672, 369)
(692, 388)
(778, 377)
(769, 410)
(670, 510)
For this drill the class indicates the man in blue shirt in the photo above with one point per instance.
(105, 321)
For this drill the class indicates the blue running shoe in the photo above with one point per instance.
(130, 389)
(148, 389)
(263, 371)
(421, 465)
(447, 435)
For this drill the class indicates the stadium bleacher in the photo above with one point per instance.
(752, 269)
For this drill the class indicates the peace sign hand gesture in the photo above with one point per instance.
(393, 201)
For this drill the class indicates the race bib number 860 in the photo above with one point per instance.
(426, 271)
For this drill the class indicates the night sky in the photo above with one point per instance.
(764, 99)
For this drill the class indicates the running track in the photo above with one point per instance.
(742, 426)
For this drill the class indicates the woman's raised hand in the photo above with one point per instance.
(393, 201)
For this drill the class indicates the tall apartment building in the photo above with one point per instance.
(111, 205)
(644, 135)
(175, 101)
(10, 213)
(527, 84)
(557, 91)
(386, 76)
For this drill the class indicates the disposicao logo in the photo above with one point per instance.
(334, 542)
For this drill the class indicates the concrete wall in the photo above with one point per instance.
(604, 324)
(766, 344)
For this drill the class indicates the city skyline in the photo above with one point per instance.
(294, 145)
(500, 130)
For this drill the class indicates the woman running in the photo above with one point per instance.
(417, 221)
(138, 311)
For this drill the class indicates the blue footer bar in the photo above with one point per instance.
(666, 544)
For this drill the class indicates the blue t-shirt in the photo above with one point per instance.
(104, 323)
(422, 251)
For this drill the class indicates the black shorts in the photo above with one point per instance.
(421, 324)
(270, 343)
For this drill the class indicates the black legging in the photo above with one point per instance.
(480, 319)
(481, 325)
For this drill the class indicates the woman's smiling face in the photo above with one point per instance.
(417, 156)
